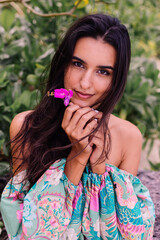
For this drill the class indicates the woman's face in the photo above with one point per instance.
(90, 73)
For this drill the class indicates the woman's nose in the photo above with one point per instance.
(86, 80)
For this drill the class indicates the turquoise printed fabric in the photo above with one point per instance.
(115, 205)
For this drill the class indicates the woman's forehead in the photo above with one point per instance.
(95, 51)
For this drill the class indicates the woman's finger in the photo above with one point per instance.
(83, 117)
(82, 113)
(68, 114)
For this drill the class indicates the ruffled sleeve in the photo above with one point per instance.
(117, 206)
(11, 206)
(48, 206)
(46, 209)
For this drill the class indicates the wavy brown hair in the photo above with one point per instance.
(41, 133)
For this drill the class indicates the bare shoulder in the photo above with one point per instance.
(130, 142)
(17, 123)
(125, 129)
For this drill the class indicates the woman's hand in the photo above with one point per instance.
(78, 123)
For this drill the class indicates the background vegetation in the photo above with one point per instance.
(29, 37)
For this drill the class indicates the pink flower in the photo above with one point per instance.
(48, 233)
(54, 222)
(142, 196)
(24, 229)
(43, 202)
(62, 93)
(87, 224)
(16, 195)
(43, 230)
(20, 213)
(42, 223)
(66, 100)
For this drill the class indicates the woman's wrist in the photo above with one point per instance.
(74, 167)
(98, 168)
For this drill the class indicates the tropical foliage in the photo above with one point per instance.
(28, 41)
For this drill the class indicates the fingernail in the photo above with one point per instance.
(95, 110)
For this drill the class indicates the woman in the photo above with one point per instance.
(74, 168)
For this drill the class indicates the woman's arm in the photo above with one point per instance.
(15, 127)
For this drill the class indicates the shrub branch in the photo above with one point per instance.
(26, 5)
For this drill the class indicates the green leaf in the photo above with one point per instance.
(1, 107)
(39, 66)
(7, 18)
(150, 147)
(157, 113)
(130, 83)
(151, 71)
(143, 89)
(1, 134)
(7, 119)
(155, 166)
(1, 224)
(35, 98)
(32, 80)
(4, 168)
(46, 54)
(1, 144)
(123, 114)
(22, 102)
(3, 80)
(16, 90)
(144, 143)
(142, 128)
(137, 106)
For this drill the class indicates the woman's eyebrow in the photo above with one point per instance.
(79, 59)
(109, 67)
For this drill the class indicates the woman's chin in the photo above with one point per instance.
(85, 103)
(80, 103)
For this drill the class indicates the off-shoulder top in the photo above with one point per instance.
(114, 205)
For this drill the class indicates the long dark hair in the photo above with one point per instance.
(41, 133)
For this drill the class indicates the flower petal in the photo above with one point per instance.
(60, 93)
(64, 94)
(66, 100)
(70, 93)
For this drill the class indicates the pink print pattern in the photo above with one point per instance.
(20, 213)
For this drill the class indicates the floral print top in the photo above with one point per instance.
(114, 205)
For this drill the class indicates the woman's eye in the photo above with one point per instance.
(77, 64)
(104, 72)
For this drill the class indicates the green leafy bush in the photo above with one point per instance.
(28, 41)
(141, 103)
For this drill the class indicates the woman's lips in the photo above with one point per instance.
(83, 95)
